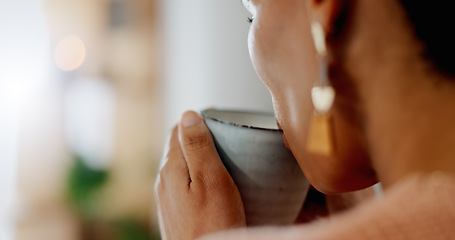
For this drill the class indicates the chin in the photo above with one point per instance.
(342, 182)
(333, 190)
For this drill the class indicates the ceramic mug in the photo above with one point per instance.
(270, 181)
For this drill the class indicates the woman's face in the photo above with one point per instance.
(283, 54)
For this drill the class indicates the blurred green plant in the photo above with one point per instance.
(85, 185)
(130, 229)
(84, 190)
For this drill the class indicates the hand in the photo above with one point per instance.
(194, 192)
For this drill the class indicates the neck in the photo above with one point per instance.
(408, 109)
(410, 116)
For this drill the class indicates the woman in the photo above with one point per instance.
(390, 64)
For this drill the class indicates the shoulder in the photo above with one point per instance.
(419, 207)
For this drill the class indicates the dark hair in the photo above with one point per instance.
(434, 22)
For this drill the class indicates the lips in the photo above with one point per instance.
(283, 135)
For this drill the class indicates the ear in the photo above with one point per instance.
(327, 13)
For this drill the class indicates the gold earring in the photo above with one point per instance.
(320, 135)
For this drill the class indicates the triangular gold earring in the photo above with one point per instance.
(320, 134)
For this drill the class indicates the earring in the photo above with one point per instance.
(320, 135)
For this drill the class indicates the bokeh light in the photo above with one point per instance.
(69, 53)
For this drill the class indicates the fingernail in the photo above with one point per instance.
(190, 118)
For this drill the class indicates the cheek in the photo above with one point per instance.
(264, 51)
(261, 54)
(284, 58)
(283, 55)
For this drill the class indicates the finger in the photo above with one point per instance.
(199, 149)
(174, 168)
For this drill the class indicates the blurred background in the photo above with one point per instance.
(88, 92)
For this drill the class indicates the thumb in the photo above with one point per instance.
(199, 149)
